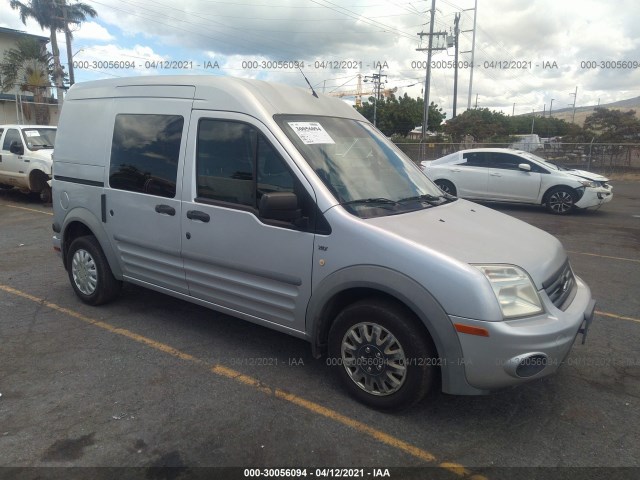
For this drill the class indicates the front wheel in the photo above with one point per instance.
(89, 272)
(382, 356)
(45, 194)
(561, 200)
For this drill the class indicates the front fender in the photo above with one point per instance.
(411, 294)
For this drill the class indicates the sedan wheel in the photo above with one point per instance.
(561, 201)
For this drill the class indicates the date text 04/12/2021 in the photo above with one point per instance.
(317, 472)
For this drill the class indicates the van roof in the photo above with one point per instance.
(218, 93)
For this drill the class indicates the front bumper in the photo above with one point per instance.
(520, 350)
(594, 197)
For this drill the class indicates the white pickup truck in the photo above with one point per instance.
(25, 158)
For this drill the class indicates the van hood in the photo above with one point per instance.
(474, 234)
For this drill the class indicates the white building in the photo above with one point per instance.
(17, 106)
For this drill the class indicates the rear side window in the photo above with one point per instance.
(145, 152)
(475, 159)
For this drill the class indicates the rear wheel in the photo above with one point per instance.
(89, 272)
(561, 200)
(382, 356)
(446, 186)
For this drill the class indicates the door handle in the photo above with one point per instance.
(495, 174)
(166, 210)
(456, 170)
(198, 215)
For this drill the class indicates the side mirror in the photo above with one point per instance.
(281, 206)
(525, 167)
(16, 148)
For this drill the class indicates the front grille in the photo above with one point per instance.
(561, 287)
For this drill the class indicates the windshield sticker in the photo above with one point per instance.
(311, 132)
(31, 133)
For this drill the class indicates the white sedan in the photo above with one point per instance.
(514, 176)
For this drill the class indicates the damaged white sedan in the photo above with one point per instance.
(514, 176)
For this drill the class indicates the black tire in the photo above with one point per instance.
(446, 186)
(561, 200)
(45, 194)
(89, 272)
(384, 386)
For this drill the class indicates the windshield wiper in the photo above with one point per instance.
(380, 201)
(430, 199)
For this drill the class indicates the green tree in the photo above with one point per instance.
(483, 124)
(51, 14)
(29, 66)
(398, 116)
(542, 126)
(613, 126)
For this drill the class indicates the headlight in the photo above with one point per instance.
(588, 183)
(514, 290)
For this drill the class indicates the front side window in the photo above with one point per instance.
(224, 162)
(363, 171)
(39, 138)
(236, 164)
(145, 153)
(12, 136)
(507, 161)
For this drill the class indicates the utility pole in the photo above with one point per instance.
(473, 51)
(376, 78)
(427, 80)
(575, 96)
(533, 119)
(456, 33)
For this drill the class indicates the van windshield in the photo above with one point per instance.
(39, 138)
(362, 169)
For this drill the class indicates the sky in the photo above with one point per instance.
(529, 55)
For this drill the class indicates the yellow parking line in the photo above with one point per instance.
(256, 384)
(25, 208)
(619, 317)
(605, 256)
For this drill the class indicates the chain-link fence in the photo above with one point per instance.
(598, 157)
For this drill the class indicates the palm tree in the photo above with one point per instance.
(54, 15)
(29, 67)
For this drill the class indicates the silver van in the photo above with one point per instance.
(290, 210)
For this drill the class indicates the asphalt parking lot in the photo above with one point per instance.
(150, 381)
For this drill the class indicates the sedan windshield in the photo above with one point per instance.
(38, 138)
(365, 173)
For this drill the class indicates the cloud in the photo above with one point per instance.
(325, 34)
(93, 31)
